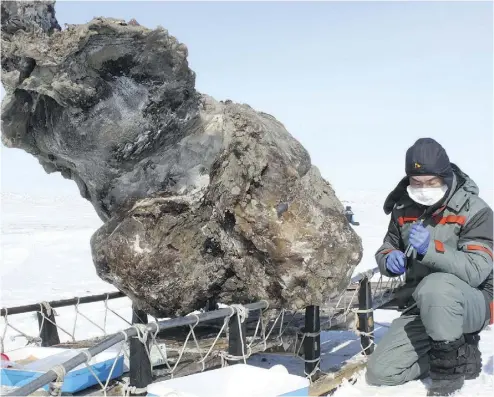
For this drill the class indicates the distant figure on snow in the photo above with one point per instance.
(349, 215)
(439, 219)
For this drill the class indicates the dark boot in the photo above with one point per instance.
(474, 357)
(447, 366)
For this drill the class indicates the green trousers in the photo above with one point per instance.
(448, 306)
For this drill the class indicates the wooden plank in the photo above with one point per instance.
(329, 383)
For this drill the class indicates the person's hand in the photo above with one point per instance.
(395, 262)
(419, 238)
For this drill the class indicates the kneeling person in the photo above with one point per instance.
(437, 211)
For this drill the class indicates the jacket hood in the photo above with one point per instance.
(468, 183)
(463, 181)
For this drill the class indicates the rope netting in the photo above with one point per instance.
(272, 328)
(344, 310)
(33, 335)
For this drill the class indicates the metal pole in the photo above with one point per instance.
(81, 358)
(140, 373)
(366, 316)
(237, 335)
(312, 341)
(61, 303)
(211, 305)
(368, 273)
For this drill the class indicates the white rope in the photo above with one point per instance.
(117, 357)
(259, 324)
(359, 333)
(296, 353)
(258, 340)
(225, 324)
(196, 342)
(106, 313)
(164, 356)
(191, 333)
(75, 319)
(242, 312)
(342, 312)
(47, 307)
(116, 314)
(42, 318)
(45, 310)
(281, 323)
(142, 336)
(362, 311)
(88, 355)
(103, 388)
(88, 319)
(125, 335)
(58, 326)
(280, 332)
(142, 332)
(128, 390)
(30, 339)
(55, 388)
(317, 368)
(260, 327)
(311, 334)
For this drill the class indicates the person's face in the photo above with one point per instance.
(426, 181)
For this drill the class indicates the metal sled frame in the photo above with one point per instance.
(220, 337)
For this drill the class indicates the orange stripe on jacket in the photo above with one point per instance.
(479, 248)
(404, 219)
(439, 246)
(460, 220)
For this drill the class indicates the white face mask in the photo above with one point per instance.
(426, 195)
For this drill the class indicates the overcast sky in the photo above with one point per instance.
(357, 83)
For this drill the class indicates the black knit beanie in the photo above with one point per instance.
(428, 157)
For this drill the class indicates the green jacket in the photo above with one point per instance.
(461, 228)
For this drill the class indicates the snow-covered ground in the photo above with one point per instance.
(45, 255)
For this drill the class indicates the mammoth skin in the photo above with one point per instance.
(201, 200)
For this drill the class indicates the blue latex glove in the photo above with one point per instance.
(419, 238)
(395, 262)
